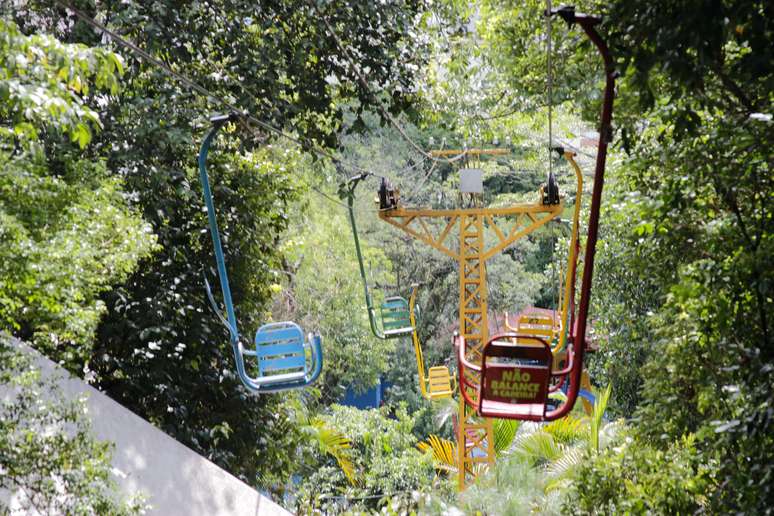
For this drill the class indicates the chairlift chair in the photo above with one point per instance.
(396, 317)
(284, 359)
(437, 384)
(514, 377)
(514, 380)
(394, 311)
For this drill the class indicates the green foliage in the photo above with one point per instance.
(331, 442)
(683, 287)
(626, 294)
(160, 350)
(66, 238)
(50, 462)
(387, 463)
(325, 293)
(66, 229)
(514, 487)
(280, 62)
(535, 473)
(504, 433)
(695, 243)
(595, 424)
(42, 81)
(636, 478)
(566, 430)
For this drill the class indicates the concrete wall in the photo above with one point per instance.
(175, 479)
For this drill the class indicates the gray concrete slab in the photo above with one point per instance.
(175, 479)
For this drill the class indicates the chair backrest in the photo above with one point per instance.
(536, 324)
(514, 373)
(439, 382)
(395, 314)
(280, 347)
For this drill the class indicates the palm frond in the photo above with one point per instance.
(596, 418)
(504, 433)
(563, 467)
(558, 484)
(444, 452)
(538, 447)
(609, 432)
(333, 443)
(443, 410)
(567, 429)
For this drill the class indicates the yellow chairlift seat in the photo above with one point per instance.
(438, 383)
(534, 324)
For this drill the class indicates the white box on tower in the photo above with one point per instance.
(471, 180)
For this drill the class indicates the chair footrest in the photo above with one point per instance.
(437, 395)
(398, 332)
(531, 411)
(282, 378)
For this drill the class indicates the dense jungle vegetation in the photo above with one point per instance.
(104, 244)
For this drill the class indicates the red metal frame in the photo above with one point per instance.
(502, 346)
(578, 335)
(578, 323)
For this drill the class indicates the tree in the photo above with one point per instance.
(50, 461)
(702, 169)
(161, 350)
(637, 478)
(67, 234)
(537, 464)
(387, 464)
(324, 292)
(67, 230)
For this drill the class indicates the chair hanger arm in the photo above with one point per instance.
(351, 212)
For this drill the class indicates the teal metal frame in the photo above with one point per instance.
(278, 346)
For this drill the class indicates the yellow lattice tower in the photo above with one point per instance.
(508, 224)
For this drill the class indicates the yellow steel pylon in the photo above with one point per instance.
(475, 439)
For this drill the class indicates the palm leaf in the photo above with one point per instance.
(608, 433)
(538, 447)
(596, 418)
(566, 430)
(504, 433)
(444, 452)
(562, 468)
(333, 443)
(443, 411)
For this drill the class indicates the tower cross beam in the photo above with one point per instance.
(471, 252)
(538, 214)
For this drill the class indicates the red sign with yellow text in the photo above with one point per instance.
(516, 384)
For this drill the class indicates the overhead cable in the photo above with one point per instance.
(202, 90)
(213, 97)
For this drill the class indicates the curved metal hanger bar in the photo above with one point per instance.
(353, 182)
(261, 384)
(578, 332)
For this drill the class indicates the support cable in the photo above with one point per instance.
(421, 184)
(202, 90)
(549, 88)
(214, 98)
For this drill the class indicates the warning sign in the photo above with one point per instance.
(514, 384)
